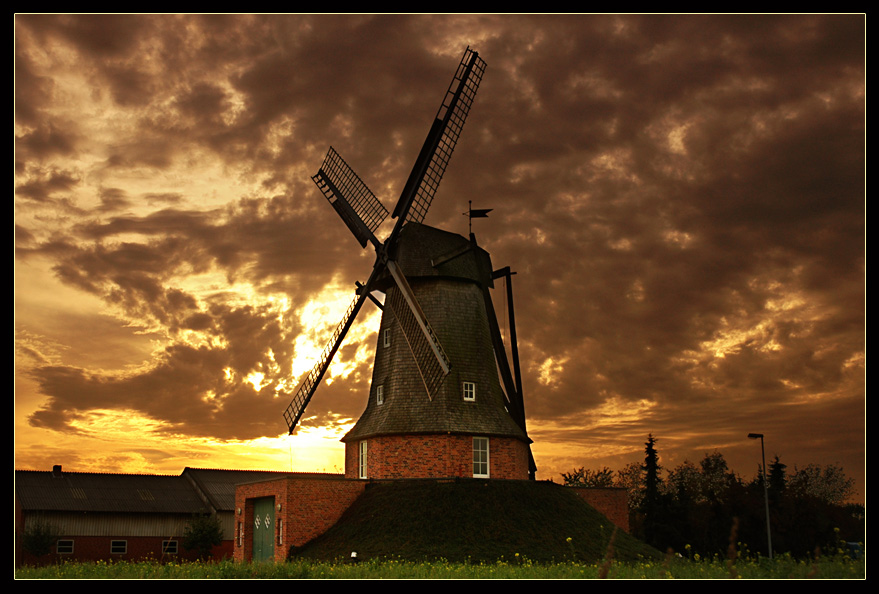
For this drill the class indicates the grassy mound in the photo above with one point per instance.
(472, 520)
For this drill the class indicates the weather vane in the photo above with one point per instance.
(479, 213)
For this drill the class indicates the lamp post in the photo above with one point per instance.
(765, 488)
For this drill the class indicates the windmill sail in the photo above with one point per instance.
(421, 186)
(351, 198)
(431, 359)
(310, 382)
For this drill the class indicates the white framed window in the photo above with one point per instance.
(480, 457)
(386, 337)
(118, 547)
(169, 547)
(469, 391)
(380, 394)
(64, 547)
(361, 463)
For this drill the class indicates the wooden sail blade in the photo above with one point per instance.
(361, 211)
(437, 150)
(311, 381)
(431, 359)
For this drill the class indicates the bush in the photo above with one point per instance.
(39, 537)
(202, 534)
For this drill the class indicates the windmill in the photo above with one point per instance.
(430, 413)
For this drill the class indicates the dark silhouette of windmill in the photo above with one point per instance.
(443, 401)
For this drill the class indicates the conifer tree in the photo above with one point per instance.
(651, 472)
(777, 479)
(650, 506)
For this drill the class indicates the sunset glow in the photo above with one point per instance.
(681, 197)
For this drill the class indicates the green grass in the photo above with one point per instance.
(516, 568)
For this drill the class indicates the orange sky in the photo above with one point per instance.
(681, 197)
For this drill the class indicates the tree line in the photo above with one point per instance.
(699, 507)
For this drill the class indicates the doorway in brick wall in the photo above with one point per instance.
(264, 529)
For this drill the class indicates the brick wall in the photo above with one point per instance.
(435, 456)
(138, 548)
(611, 501)
(309, 507)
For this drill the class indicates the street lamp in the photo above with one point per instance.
(765, 488)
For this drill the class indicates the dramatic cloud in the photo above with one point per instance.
(682, 198)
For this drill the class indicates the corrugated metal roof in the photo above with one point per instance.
(97, 492)
(196, 490)
(219, 485)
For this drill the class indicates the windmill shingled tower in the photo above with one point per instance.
(443, 401)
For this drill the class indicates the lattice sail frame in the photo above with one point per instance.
(431, 360)
(448, 124)
(309, 383)
(346, 192)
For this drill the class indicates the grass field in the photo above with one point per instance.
(517, 568)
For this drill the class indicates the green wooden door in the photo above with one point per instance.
(264, 529)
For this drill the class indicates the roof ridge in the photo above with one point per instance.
(66, 472)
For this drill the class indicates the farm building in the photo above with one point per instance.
(125, 516)
(274, 514)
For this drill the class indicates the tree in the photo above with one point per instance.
(684, 483)
(716, 477)
(829, 485)
(651, 506)
(39, 537)
(584, 477)
(202, 534)
(630, 479)
(777, 480)
(651, 473)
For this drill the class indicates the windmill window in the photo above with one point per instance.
(480, 457)
(362, 461)
(386, 337)
(469, 392)
(379, 394)
(64, 547)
